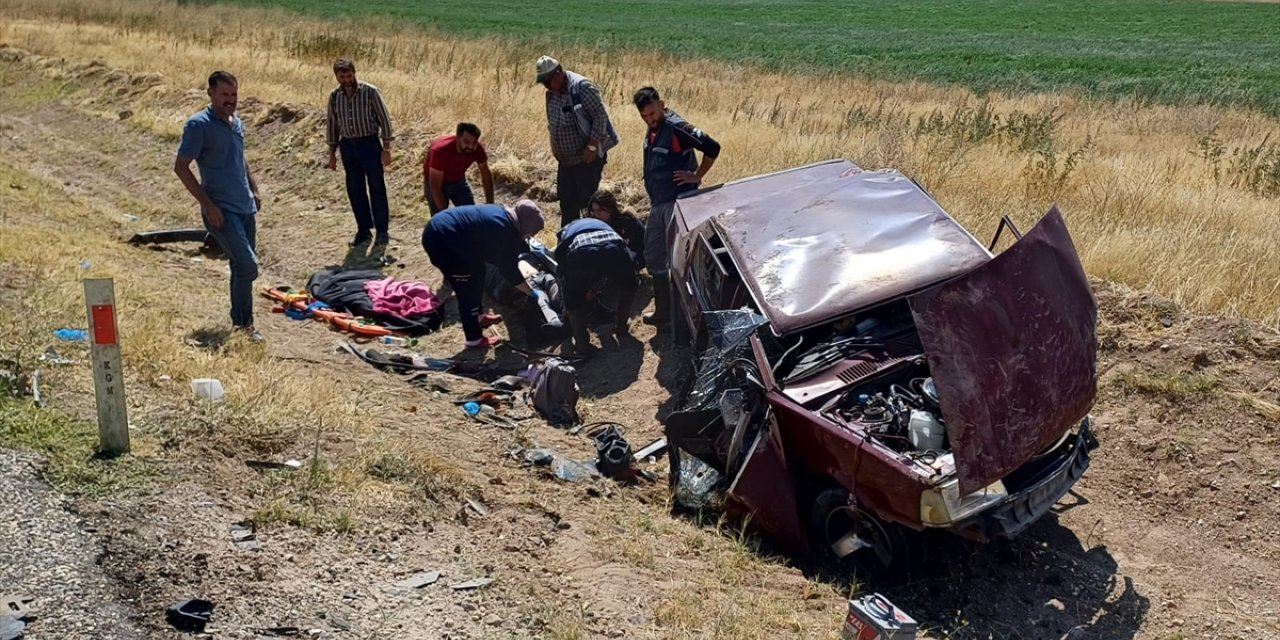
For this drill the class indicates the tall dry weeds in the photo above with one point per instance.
(1178, 199)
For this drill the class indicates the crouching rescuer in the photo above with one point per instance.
(594, 262)
(459, 241)
(671, 169)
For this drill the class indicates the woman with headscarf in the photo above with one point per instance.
(604, 206)
(459, 241)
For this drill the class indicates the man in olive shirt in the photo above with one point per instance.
(357, 118)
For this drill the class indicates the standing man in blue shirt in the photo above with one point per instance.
(228, 196)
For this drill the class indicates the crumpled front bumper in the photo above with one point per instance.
(1020, 510)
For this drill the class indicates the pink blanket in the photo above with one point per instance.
(401, 299)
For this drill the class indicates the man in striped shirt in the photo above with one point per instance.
(360, 127)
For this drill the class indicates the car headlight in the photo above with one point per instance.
(943, 505)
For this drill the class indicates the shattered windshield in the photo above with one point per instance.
(727, 348)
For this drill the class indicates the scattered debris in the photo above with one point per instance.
(571, 470)
(71, 335)
(510, 383)
(544, 457)
(15, 606)
(873, 617)
(279, 632)
(696, 483)
(125, 114)
(268, 465)
(11, 628)
(397, 362)
(207, 389)
(1275, 485)
(170, 235)
(613, 455)
(190, 615)
(244, 536)
(419, 580)
(130, 218)
(561, 467)
(472, 584)
(479, 507)
(51, 356)
(652, 450)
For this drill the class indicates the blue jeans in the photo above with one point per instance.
(366, 188)
(456, 194)
(239, 238)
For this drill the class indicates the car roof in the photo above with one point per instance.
(819, 242)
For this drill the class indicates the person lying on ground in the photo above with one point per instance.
(460, 240)
(444, 171)
(604, 206)
(592, 256)
(227, 194)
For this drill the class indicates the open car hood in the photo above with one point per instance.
(1012, 350)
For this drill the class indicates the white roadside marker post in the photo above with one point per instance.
(108, 376)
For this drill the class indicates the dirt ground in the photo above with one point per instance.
(1171, 534)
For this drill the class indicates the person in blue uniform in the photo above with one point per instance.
(461, 240)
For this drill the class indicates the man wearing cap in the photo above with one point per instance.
(360, 128)
(444, 171)
(581, 135)
(593, 258)
(459, 241)
(671, 169)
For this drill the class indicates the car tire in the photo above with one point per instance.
(832, 515)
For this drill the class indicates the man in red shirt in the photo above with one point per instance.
(444, 171)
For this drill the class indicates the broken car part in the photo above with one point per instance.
(419, 580)
(190, 615)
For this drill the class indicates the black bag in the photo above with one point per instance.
(554, 392)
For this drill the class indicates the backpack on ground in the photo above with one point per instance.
(554, 392)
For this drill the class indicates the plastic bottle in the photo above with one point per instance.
(71, 335)
(398, 341)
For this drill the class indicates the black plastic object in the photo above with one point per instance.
(613, 455)
(190, 615)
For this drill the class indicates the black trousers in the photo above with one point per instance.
(575, 184)
(366, 188)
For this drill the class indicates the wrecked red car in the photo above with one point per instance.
(865, 365)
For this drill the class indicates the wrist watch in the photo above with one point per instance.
(591, 147)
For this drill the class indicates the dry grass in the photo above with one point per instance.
(1265, 408)
(1172, 386)
(1137, 183)
(269, 413)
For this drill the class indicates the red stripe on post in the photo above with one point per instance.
(104, 324)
